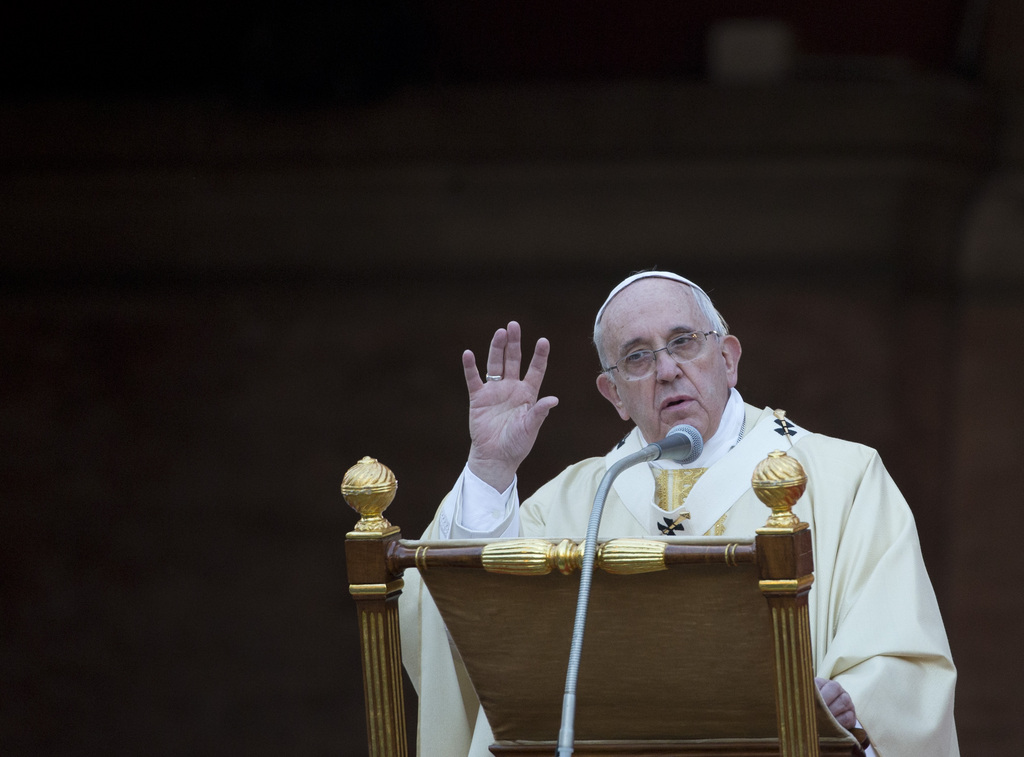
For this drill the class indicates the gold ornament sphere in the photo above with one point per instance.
(369, 488)
(779, 481)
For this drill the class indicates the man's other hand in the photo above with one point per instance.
(839, 702)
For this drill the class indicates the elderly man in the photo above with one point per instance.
(880, 650)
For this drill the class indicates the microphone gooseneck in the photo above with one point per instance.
(682, 444)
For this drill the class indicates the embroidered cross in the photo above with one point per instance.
(668, 527)
(785, 428)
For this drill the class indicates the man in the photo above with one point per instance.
(881, 656)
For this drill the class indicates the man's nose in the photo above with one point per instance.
(666, 367)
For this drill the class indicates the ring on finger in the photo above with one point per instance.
(491, 377)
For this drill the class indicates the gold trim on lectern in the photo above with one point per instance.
(627, 557)
(376, 590)
(785, 585)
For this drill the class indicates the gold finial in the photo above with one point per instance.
(369, 487)
(779, 480)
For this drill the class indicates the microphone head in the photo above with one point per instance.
(683, 444)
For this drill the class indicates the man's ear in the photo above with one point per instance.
(731, 351)
(611, 393)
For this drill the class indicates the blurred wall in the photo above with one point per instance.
(211, 311)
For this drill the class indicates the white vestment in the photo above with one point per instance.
(875, 623)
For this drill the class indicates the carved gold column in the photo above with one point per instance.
(369, 488)
(786, 570)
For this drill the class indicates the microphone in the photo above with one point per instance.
(682, 444)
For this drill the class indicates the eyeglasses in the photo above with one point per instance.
(683, 348)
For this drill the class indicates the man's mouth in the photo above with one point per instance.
(673, 402)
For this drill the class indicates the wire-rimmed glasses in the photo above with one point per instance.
(640, 364)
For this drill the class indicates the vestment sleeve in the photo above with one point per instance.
(476, 510)
(880, 634)
(449, 712)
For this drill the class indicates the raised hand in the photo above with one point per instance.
(505, 413)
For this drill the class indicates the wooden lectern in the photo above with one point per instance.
(692, 646)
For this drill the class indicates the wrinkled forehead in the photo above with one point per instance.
(638, 277)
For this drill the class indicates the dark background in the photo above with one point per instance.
(244, 244)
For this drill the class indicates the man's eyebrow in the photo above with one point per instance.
(628, 346)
